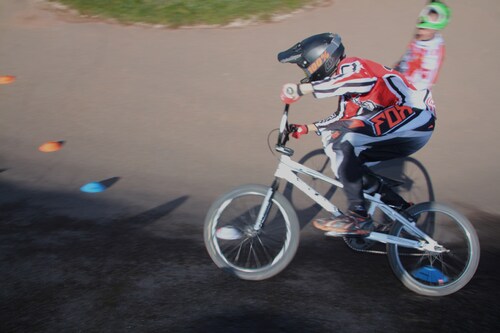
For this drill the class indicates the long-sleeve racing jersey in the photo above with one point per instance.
(366, 89)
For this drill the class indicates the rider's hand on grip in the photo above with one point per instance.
(290, 93)
(298, 130)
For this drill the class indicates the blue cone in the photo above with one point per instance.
(430, 274)
(93, 187)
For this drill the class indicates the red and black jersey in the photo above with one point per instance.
(365, 88)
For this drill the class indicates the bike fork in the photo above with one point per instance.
(266, 205)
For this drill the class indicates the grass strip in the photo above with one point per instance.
(175, 13)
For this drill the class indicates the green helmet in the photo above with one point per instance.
(428, 19)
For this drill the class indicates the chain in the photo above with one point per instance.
(346, 240)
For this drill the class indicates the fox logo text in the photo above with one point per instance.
(391, 118)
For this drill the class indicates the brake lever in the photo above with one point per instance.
(284, 135)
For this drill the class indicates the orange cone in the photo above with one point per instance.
(6, 79)
(51, 146)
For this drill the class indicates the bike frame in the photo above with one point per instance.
(290, 170)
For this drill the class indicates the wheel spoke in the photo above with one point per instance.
(239, 252)
(251, 253)
(264, 249)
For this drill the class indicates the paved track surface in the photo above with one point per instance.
(174, 118)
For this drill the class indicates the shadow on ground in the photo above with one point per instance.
(150, 272)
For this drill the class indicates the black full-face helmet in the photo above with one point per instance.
(318, 55)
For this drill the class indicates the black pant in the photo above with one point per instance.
(353, 150)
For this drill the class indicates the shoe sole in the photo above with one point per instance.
(335, 234)
(340, 232)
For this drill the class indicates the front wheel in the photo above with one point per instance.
(236, 247)
(441, 272)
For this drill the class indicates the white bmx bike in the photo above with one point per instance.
(253, 231)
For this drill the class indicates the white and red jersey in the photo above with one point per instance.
(382, 98)
(422, 61)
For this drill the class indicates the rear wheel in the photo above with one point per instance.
(236, 247)
(436, 273)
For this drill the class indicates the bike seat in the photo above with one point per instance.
(389, 182)
(381, 180)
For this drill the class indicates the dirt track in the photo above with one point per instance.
(181, 116)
